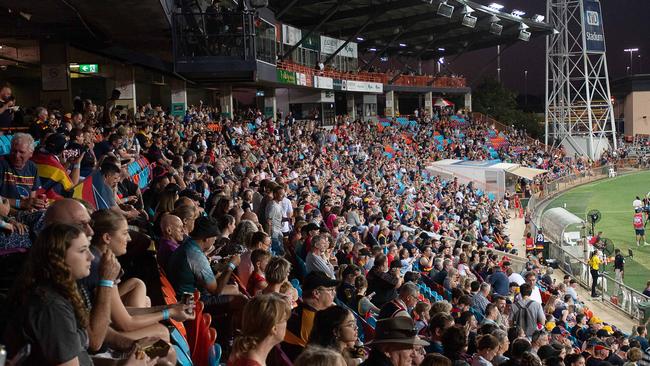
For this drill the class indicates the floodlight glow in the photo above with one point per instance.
(360, 39)
(539, 18)
(441, 49)
(518, 13)
(372, 49)
(469, 20)
(496, 6)
(402, 44)
(631, 50)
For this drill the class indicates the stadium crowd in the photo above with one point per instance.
(307, 246)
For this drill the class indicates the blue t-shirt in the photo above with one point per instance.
(18, 183)
(188, 267)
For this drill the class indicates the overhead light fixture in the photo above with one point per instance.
(445, 10)
(523, 26)
(467, 9)
(495, 6)
(441, 60)
(496, 29)
(372, 49)
(383, 59)
(402, 44)
(469, 21)
(524, 35)
(538, 18)
(360, 39)
(518, 13)
(441, 49)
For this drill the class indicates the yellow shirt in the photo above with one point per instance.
(595, 262)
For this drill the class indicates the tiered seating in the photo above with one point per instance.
(201, 337)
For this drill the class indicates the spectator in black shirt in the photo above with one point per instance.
(383, 282)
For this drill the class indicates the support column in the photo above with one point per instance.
(125, 82)
(352, 107)
(225, 101)
(391, 104)
(428, 104)
(179, 97)
(270, 104)
(55, 76)
(468, 102)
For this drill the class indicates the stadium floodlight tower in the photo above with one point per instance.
(579, 113)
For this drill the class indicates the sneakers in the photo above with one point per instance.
(645, 244)
(595, 295)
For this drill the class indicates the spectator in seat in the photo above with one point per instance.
(336, 328)
(394, 343)
(316, 259)
(319, 356)
(50, 313)
(318, 292)
(407, 299)
(257, 281)
(480, 299)
(258, 240)
(52, 172)
(277, 274)
(264, 326)
(438, 324)
(499, 281)
(172, 235)
(19, 176)
(382, 282)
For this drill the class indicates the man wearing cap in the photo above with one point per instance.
(318, 292)
(346, 291)
(600, 354)
(394, 343)
(188, 268)
(400, 306)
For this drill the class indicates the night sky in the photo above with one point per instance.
(626, 26)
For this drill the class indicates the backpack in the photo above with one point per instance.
(524, 317)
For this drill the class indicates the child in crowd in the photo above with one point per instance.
(290, 292)
(257, 281)
(421, 315)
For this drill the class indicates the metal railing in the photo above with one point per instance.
(613, 291)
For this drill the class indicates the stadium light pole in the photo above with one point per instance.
(631, 51)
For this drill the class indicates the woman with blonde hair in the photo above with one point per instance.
(264, 326)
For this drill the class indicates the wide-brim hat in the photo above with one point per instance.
(397, 330)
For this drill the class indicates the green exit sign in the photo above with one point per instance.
(88, 68)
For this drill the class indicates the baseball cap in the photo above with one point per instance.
(204, 227)
(595, 320)
(316, 279)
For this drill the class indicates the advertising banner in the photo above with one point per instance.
(329, 45)
(290, 35)
(311, 42)
(322, 82)
(286, 77)
(365, 86)
(340, 85)
(593, 22)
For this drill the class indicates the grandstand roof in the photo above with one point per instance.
(411, 28)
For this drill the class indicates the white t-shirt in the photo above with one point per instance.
(637, 204)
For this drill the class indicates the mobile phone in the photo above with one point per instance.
(21, 356)
(371, 295)
(187, 298)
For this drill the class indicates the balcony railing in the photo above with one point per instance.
(403, 80)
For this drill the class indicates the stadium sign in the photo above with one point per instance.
(593, 23)
(329, 45)
(365, 86)
(322, 82)
(286, 77)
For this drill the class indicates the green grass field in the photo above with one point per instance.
(613, 197)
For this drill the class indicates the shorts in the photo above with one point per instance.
(640, 232)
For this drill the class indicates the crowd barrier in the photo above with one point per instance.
(614, 292)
